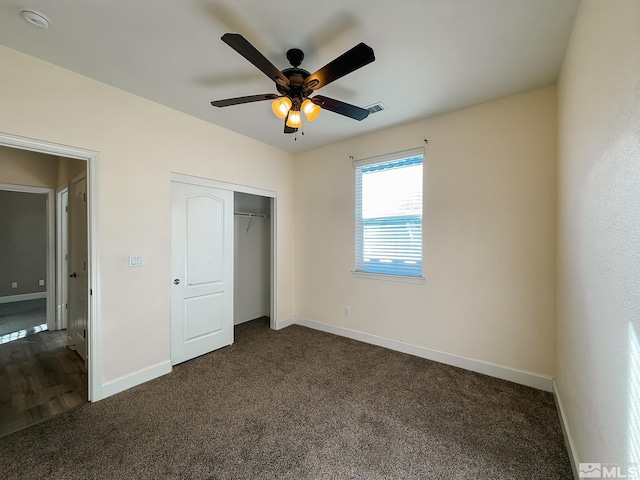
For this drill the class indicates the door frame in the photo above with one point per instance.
(205, 182)
(50, 270)
(93, 323)
(62, 240)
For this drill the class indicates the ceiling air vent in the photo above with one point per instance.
(376, 107)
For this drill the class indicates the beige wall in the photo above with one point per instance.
(140, 143)
(489, 233)
(23, 242)
(22, 167)
(598, 366)
(68, 168)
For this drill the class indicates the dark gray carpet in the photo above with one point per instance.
(25, 315)
(301, 404)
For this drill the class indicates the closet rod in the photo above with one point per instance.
(249, 214)
(251, 217)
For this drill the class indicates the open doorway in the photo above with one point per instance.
(25, 289)
(58, 374)
(252, 257)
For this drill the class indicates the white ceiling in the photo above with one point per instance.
(432, 56)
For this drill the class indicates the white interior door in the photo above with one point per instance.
(202, 270)
(78, 256)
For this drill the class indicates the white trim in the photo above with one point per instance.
(61, 273)
(206, 182)
(388, 277)
(91, 157)
(273, 304)
(541, 382)
(22, 297)
(95, 324)
(136, 378)
(414, 152)
(286, 322)
(51, 260)
(24, 188)
(50, 269)
(566, 433)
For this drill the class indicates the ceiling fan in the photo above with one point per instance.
(295, 85)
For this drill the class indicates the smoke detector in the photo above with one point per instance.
(36, 19)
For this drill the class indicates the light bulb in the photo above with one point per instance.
(281, 106)
(294, 120)
(310, 109)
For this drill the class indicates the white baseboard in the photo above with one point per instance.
(22, 297)
(286, 322)
(260, 315)
(568, 440)
(137, 378)
(529, 379)
(238, 322)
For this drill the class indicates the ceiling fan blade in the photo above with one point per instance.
(248, 51)
(287, 128)
(353, 59)
(342, 108)
(240, 100)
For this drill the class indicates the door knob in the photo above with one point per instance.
(73, 275)
(176, 281)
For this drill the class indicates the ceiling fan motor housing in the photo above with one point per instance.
(296, 88)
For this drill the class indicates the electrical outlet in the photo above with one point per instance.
(14, 284)
(347, 311)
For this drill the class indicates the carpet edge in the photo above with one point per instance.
(534, 380)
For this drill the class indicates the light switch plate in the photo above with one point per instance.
(135, 260)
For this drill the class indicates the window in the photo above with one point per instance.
(389, 214)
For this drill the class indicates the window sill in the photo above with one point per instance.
(389, 277)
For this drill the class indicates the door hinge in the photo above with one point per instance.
(84, 333)
(66, 306)
(91, 291)
(66, 208)
(84, 195)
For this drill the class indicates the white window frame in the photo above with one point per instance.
(359, 222)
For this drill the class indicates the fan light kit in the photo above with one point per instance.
(36, 19)
(295, 85)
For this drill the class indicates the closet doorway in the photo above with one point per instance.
(252, 257)
(253, 252)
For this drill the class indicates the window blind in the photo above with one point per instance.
(389, 214)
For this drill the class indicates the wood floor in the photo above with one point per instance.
(39, 378)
